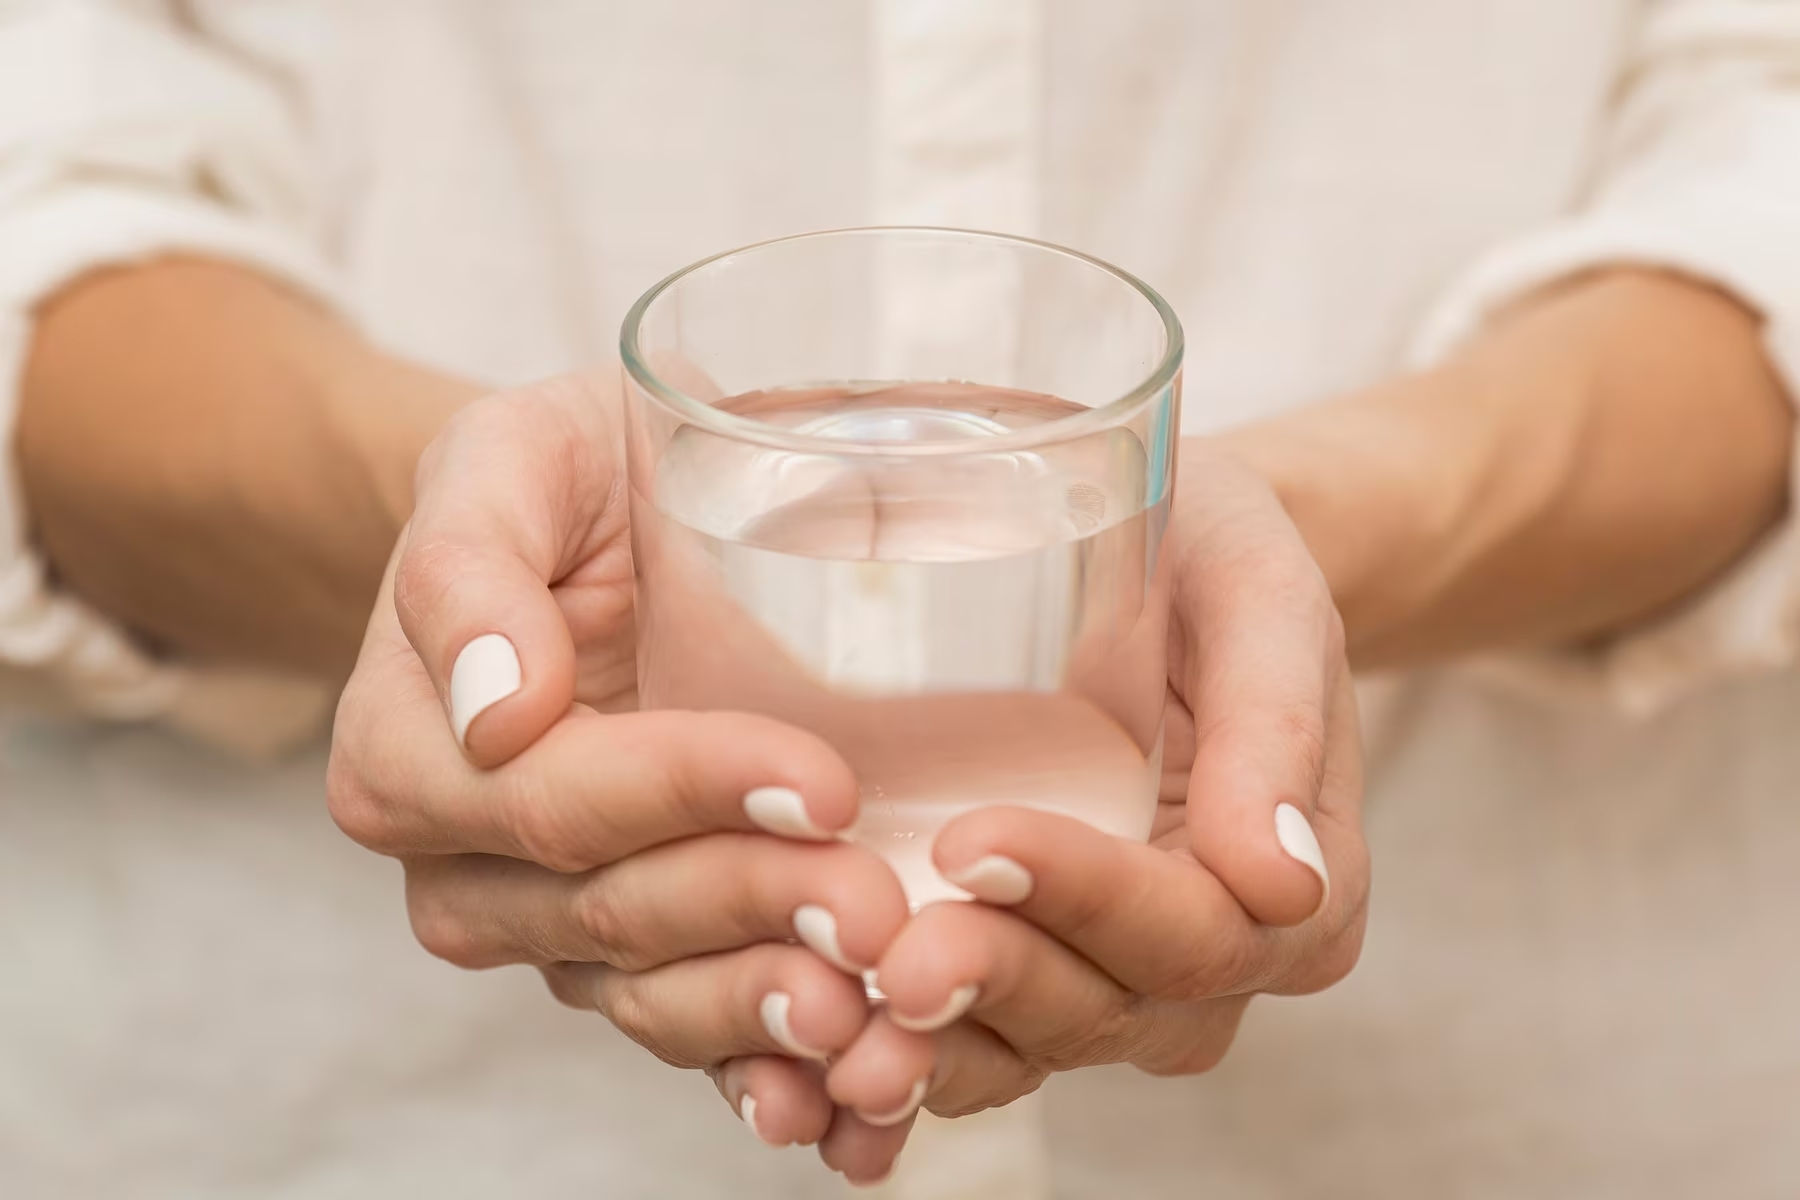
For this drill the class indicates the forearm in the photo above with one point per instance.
(1597, 457)
(218, 464)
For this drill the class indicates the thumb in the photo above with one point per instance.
(1262, 663)
(507, 500)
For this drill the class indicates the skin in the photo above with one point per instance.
(220, 465)
(1589, 462)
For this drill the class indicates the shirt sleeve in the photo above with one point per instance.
(124, 137)
(1701, 176)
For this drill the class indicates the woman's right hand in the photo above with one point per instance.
(654, 865)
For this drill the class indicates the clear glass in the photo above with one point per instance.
(907, 488)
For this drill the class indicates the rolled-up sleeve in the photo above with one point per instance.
(124, 137)
(1701, 176)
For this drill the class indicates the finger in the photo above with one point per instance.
(956, 960)
(696, 896)
(864, 1154)
(889, 1072)
(517, 489)
(977, 1070)
(699, 1012)
(1188, 1038)
(782, 1100)
(885, 1075)
(1157, 922)
(1052, 1009)
(594, 789)
(1258, 649)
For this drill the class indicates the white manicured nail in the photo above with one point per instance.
(914, 1098)
(775, 1007)
(1297, 837)
(994, 879)
(816, 927)
(747, 1110)
(485, 673)
(957, 1005)
(780, 811)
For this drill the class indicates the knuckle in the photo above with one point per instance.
(995, 1095)
(602, 914)
(672, 773)
(1205, 973)
(1290, 732)
(1109, 1038)
(355, 807)
(442, 931)
(470, 429)
(1298, 728)
(627, 1011)
(1197, 1046)
(1326, 965)
(1119, 1028)
(623, 1009)
(543, 829)
(427, 575)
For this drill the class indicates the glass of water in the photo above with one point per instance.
(907, 488)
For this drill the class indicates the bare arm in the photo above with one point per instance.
(1595, 458)
(217, 463)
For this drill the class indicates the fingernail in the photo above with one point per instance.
(914, 1098)
(780, 811)
(775, 1007)
(816, 927)
(747, 1110)
(1297, 837)
(485, 673)
(994, 879)
(957, 1005)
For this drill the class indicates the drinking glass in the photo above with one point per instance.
(906, 488)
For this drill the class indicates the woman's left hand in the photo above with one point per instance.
(1091, 949)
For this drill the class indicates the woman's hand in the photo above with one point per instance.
(485, 740)
(1091, 949)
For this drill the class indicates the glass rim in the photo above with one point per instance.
(748, 429)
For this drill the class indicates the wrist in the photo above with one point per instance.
(1386, 487)
(388, 410)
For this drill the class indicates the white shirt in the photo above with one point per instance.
(1573, 984)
